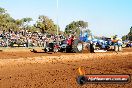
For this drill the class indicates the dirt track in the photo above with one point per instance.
(40, 70)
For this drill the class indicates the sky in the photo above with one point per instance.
(104, 17)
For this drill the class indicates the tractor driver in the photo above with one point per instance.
(70, 40)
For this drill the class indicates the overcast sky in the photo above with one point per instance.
(105, 17)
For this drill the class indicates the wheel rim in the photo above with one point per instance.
(79, 46)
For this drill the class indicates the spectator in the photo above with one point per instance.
(91, 47)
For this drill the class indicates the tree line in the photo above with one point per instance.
(128, 36)
(43, 24)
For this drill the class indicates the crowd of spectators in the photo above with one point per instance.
(24, 38)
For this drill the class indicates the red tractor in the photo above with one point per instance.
(72, 45)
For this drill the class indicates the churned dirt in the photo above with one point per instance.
(25, 69)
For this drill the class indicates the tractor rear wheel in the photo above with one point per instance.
(77, 46)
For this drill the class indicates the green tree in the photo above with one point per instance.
(76, 27)
(3, 18)
(33, 29)
(25, 22)
(124, 37)
(19, 23)
(130, 34)
(45, 24)
(6, 21)
(2, 10)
